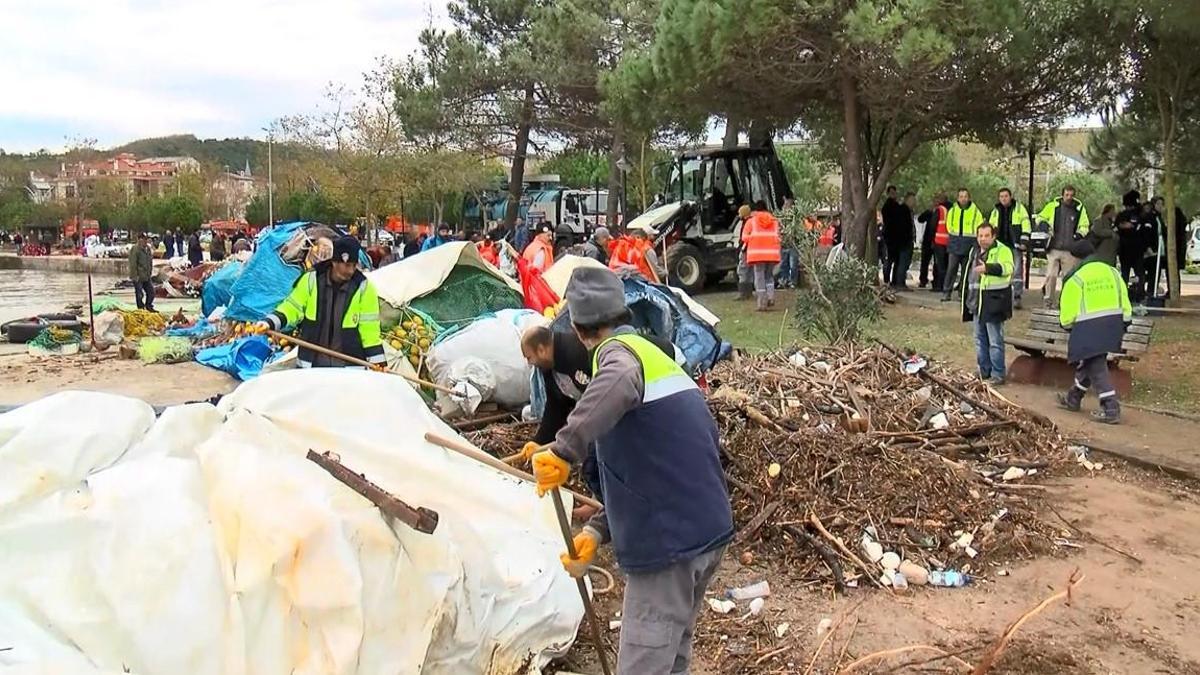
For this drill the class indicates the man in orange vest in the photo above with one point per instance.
(488, 250)
(540, 252)
(635, 252)
(934, 241)
(763, 253)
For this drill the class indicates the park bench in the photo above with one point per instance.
(1045, 348)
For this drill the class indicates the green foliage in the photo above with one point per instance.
(257, 211)
(932, 170)
(157, 214)
(579, 168)
(841, 298)
(312, 206)
(231, 152)
(806, 171)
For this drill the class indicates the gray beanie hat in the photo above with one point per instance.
(595, 295)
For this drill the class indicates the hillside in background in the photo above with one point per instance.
(231, 152)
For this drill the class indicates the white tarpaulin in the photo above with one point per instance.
(424, 273)
(204, 542)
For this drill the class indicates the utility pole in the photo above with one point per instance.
(270, 179)
(228, 191)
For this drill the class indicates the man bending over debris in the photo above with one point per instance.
(336, 307)
(666, 508)
(566, 369)
(1095, 307)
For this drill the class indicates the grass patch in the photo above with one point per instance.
(1167, 376)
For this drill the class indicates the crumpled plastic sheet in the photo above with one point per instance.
(204, 542)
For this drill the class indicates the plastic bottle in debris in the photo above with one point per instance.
(949, 579)
(759, 590)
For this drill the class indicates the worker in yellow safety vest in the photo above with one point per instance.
(987, 300)
(1013, 228)
(1095, 307)
(961, 221)
(336, 307)
(1067, 220)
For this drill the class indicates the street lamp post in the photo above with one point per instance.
(270, 179)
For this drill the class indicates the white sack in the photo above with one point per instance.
(205, 543)
(494, 342)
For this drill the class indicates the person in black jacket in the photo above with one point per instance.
(566, 368)
(1130, 241)
(897, 239)
(195, 254)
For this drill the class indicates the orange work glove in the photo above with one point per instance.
(585, 552)
(529, 450)
(550, 470)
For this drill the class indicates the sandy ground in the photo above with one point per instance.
(26, 379)
(1126, 616)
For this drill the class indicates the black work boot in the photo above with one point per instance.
(1109, 412)
(1070, 400)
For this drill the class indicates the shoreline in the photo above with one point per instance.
(64, 263)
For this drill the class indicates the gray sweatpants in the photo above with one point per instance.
(658, 618)
(1093, 373)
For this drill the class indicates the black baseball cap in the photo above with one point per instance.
(346, 249)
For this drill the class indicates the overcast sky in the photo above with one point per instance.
(118, 70)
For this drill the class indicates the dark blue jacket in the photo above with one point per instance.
(664, 488)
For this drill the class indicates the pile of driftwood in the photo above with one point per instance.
(824, 446)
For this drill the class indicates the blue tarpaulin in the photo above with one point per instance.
(657, 311)
(266, 279)
(198, 331)
(243, 358)
(218, 287)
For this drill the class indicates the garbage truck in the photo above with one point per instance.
(695, 214)
(573, 213)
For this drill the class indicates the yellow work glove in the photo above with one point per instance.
(585, 552)
(550, 470)
(529, 450)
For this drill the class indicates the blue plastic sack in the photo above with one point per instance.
(218, 287)
(243, 358)
(658, 311)
(266, 279)
(198, 331)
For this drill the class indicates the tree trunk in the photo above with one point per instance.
(616, 157)
(1167, 115)
(760, 134)
(854, 228)
(732, 126)
(516, 180)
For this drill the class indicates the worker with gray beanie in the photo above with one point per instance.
(666, 508)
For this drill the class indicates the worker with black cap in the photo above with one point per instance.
(540, 252)
(1095, 308)
(666, 508)
(335, 306)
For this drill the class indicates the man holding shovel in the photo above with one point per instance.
(666, 509)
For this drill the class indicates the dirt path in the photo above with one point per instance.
(1127, 617)
(1160, 439)
(26, 379)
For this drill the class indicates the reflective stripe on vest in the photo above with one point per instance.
(663, 377)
